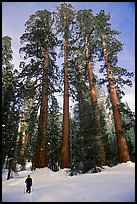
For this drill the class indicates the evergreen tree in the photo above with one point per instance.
(109, 46)
(32, 131)
(128, 118)
(54, 135)
(64, 25)
(81, 125)
(40, 71)
(107, 126)
(86, 26)
(10, 103)
(20, 152)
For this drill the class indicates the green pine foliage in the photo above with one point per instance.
(129, 127)
(54, 135)
(47, 30)
(10, 102)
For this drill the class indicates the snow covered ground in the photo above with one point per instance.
(113, 184)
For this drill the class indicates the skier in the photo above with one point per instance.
(28, 182)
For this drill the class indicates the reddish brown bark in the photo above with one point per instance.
(19, 156)
(65, 159)
(93, 95)
(22, 149)
(80, 90)
(23, 128)
(40, 154)
(121, 137)
(15, 158)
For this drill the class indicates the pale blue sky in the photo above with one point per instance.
(15, 14)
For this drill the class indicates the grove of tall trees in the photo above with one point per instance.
(100, 130)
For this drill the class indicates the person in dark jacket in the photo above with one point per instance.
(28, 182)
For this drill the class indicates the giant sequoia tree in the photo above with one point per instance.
(86, 27)
(10, 113)
(110, 47)
(87, 141)
(81, 123)
(41, 71)
(64, 20)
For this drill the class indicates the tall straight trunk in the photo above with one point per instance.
(23, 128)
(80, 100)
(93, 95)
(19, 156)
(121, 138)
(80, 94)
(15, 157)
(41, 154)
(80, 89)
(65, 160)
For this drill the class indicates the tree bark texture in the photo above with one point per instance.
(121, 137)
(41, 154)
(65, 159)
(19, 156)
(23, 138)
(93, 95)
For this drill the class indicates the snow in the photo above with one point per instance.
(112, 184)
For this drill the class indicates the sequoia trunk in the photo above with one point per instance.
(121, 138)
(65, 160)
(40, 154)
(93, 96)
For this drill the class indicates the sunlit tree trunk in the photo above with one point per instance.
(121, 138)
(23, 136)
(65, 160)
(93, 96)
(80, 100)
(40, 154)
